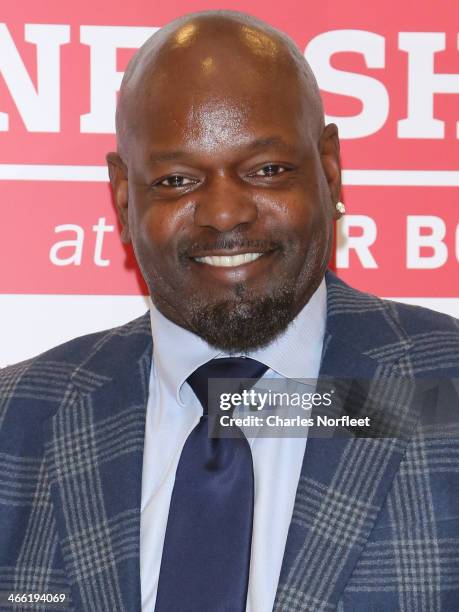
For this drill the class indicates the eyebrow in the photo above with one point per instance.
(269, 141)
(259, 143)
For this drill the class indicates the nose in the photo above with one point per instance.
(224, 204)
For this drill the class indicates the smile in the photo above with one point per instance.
(228, 261)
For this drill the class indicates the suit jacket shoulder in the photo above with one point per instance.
(420, 341)
(44, 379)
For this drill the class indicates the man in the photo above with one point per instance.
(227, 183)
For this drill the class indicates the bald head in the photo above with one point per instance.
(213, 54)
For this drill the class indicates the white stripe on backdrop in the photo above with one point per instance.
(31, 324)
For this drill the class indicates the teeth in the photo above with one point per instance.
(229, 261)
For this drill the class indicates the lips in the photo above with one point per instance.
(228, 261)
(236, 267)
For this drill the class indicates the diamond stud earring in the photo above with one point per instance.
(341, 208)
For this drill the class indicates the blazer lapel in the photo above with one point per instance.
(345, 478)
(94, 454)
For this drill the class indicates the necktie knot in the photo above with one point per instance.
(239, 373)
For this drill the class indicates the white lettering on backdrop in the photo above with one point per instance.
(39, 107)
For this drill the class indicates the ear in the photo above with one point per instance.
(117, 172)
(330, 157)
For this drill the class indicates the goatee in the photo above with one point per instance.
(243, 323)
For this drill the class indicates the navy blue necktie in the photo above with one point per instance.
(206, 554)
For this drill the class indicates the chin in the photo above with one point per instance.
(242, 325)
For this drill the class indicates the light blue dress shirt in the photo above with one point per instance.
(173, 411)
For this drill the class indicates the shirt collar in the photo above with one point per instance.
(178, 352)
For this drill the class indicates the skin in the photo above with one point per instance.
(222, 150)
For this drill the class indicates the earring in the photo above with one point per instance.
(341, 208)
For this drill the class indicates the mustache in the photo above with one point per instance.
(228, 243)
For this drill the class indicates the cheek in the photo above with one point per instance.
(292, 216)
(306, 225)
(156, 227)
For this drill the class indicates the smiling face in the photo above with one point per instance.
(227, 186)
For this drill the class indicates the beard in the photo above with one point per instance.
(244, 323)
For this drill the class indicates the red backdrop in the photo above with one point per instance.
(389, 74)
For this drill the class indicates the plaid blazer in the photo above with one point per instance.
(375, 525)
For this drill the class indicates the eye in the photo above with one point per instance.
(176, 180)
(270, 170)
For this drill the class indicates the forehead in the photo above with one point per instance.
(215, 86)
(213, 105)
